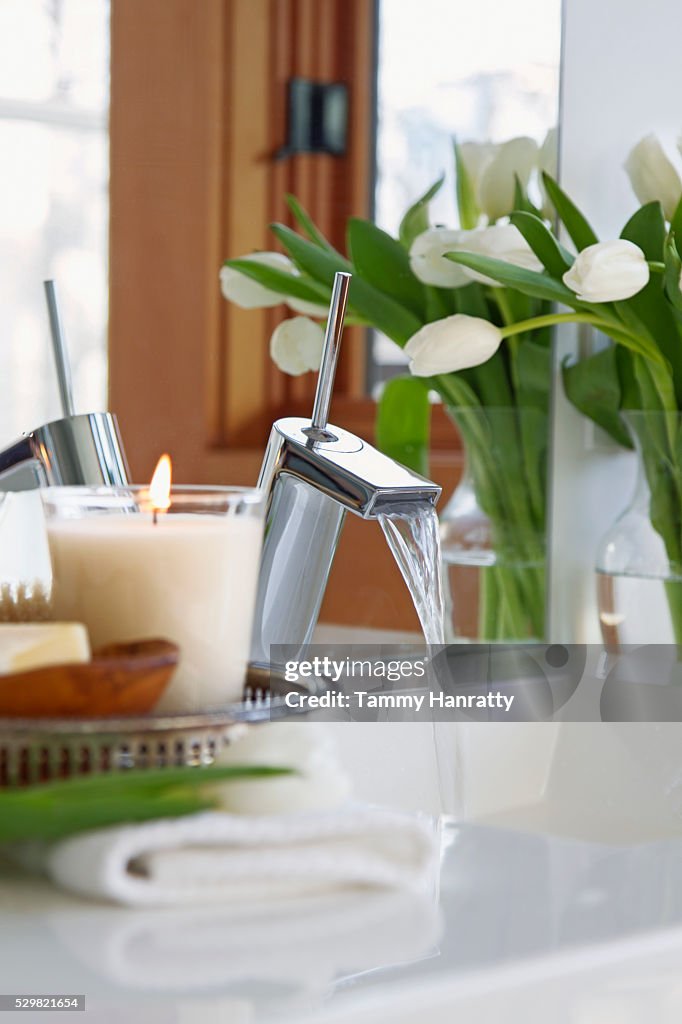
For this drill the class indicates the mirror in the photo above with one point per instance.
(54, 98)
(619, 78)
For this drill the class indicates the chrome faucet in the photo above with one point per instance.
(314, 473)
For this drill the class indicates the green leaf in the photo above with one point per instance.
(673, 269)
(319, 263)
(646, 228)
(388, 316)
(306, 223)
(53, 810)
(522, 307)
(471, 299)
(279, 281)
(625, 366)
(640, 346)
(403, 422)
(529, 282)
(384, 263)
(555, 259)
(521, 201)
(416, 220)
(455, 391)
(651, 311)
(534, 364)
(592, 386)
(655, 386)
(676, 222)
(490, 381)
(534, 372)
(579, 230)
(466, 200)
(440, 302)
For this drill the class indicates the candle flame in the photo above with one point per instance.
(159, 488)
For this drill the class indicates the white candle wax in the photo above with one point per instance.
(188, 578)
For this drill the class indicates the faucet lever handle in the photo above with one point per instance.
(317, 431)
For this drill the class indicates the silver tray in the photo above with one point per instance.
(40, 749)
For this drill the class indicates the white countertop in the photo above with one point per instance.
(529, 928)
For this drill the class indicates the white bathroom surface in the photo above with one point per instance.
(527, 928)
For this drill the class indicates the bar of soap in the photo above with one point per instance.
(29, 645)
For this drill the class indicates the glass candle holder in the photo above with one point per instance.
(187, 573)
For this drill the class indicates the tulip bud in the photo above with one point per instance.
(472, 159)
(608, 271)
(451, 344)
(513, 159)
(296, 345)
(427, 260)
(500, 242)
(249, 294)
(653, 176)
(476, 156)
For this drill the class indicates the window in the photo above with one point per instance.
(54, 94)
(476, 71)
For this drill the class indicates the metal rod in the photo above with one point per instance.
(61, 356)
(330, 352)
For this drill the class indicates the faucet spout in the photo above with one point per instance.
(311, 485)
(347, 470)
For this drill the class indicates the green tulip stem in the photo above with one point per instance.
(551, 319)
(503, 304)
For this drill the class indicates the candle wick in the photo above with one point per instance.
(155, 516)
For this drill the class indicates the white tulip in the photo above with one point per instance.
(608, 271)
(515, 158)
(307, 308)
(427, 259)
(249, 294)
(476, 156)
(653, 176)
(296, 345)
(451, 344)
(500, 242)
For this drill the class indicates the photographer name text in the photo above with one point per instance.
(396, 701)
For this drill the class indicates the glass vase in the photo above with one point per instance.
(493, 527)
(639, 560)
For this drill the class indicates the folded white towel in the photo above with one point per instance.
(208, 857)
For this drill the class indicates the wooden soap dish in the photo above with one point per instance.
(121, 679)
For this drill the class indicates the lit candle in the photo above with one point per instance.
(187, 575)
